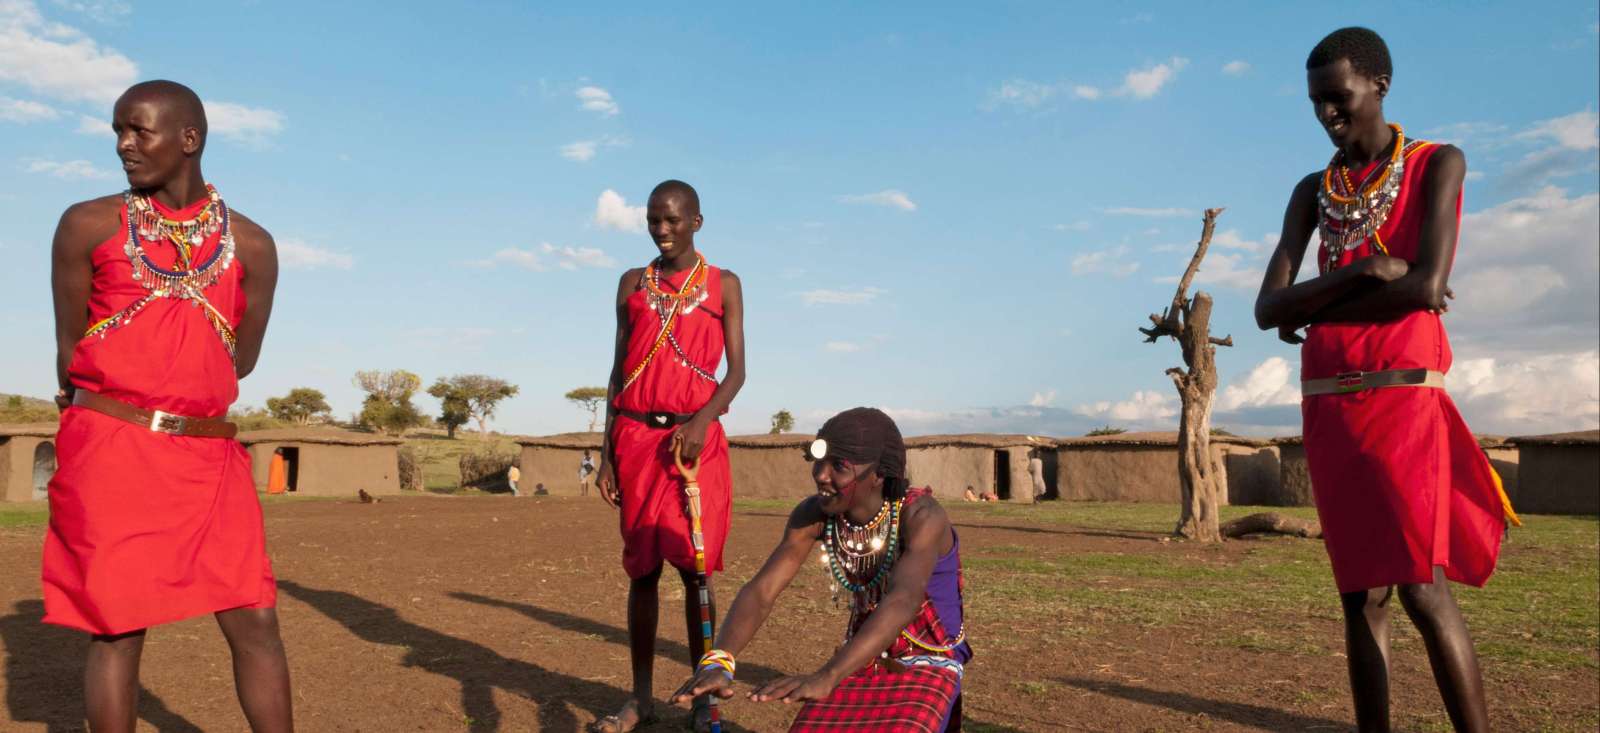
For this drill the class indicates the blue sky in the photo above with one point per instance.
(956, 212)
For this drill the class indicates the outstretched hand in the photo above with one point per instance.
(606, 480)
(815, 686)
(709, 680)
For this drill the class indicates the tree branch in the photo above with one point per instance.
(1194, 263)
(1224, 341)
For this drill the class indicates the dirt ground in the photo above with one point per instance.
(494, 613)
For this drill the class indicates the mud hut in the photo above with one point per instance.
(771, 466)
(999, 463)
(27, 461)
(1558, 474)
(554, 460)
(1142, 467)
(1506, 460)
(326, 461)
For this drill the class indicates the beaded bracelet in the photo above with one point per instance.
(716, 658)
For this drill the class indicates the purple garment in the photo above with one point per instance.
(944, 590)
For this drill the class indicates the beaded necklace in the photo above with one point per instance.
(861, 557)
(188, 281)
(1351, 214)
(668, 306)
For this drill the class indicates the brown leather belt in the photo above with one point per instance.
(659, 420)
(155, 420)
(1347, 382)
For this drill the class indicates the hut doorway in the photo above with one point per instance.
(1002, 474)
(284, 473)
(44, 467)
(1052, 468)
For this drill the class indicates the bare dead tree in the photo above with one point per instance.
(1189, 323)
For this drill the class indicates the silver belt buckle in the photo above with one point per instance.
(166, 422)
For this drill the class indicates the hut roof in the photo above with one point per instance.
(28, 430)
(562, 440)
(784, 440)
(1581, 437)
(1161, 438)
(979, 440)
(324, 436)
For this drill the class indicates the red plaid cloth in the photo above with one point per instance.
(914, 701)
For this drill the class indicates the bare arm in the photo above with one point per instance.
(693, 433)
(1284, 304)
(606, 475)
(755, 600)
(927, 529)
(82, 227)
(258, 254)
(1425, 282)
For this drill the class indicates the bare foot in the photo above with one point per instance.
(632, 715)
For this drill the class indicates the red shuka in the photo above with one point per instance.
(1400, 483)
(655, 526)
(146, 527)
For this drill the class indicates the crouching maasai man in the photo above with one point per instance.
(675, 318)
(1405, 496)
(893, 549)
(161, 299)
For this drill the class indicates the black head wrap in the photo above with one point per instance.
(865, 435)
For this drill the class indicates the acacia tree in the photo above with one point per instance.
(479, 392)
(387, 406)
(782, 422)
(453, 408)
(300, 406)
(589, 398)
(1189, 323)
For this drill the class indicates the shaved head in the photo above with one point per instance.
(675, 187)
(178, 103)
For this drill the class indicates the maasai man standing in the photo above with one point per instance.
(675, 318)
(891, 547)
(1405, 496)
(161, 299)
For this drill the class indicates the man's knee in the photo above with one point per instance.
(251, 628)
(646, 582)
(1425, 599)
(1366, 601)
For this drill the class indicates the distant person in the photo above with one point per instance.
(893, 549)
(585, 470)
(513, 475)
(990, 496)
(675, 318)
(1404, 494)
(162, 295)
(539, 490)
(1036, 472)
(969, 494)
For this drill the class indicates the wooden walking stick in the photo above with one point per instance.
(691, 490)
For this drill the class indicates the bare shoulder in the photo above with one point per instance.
(729, 278)
(84, 225)
(808, 513)
(249, 236)
(1308, 185)
(1448, 158)
(926, 510)
(626, 284)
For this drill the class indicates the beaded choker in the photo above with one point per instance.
(188, 280)
(688, 297)
(1351, 214)
(861, 558)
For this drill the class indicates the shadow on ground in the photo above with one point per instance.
(1255, 716)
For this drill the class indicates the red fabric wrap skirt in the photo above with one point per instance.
(655, 513)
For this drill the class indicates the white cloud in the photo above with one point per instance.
(104, 11)
(862, 296)
(1577, 131)
(1543, 393)
(69, 170)
(1271, 383)
(1077, 226)
(611, 211)
(1109, 261)
(572, 258)
(1084, 91)
(1236, 68)
(1145, 406)
(842, 347)
(89, 125)
(581, 151)
(241, 124)
(58, 61)
(1146, 212)
(599, 100)
(1146, 83)
(1043, 399)
(296, 254)
(1022, 93)
(892, 198)
(1231, 239)
(1237, 271)
(25, 110)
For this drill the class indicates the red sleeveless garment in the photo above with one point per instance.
(146, 527)
(678, 378)
(1400, 483)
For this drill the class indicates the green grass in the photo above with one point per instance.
(28, 515)
(439, 456)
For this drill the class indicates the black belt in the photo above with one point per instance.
(659, 420)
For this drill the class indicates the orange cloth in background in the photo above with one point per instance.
(278, 475)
